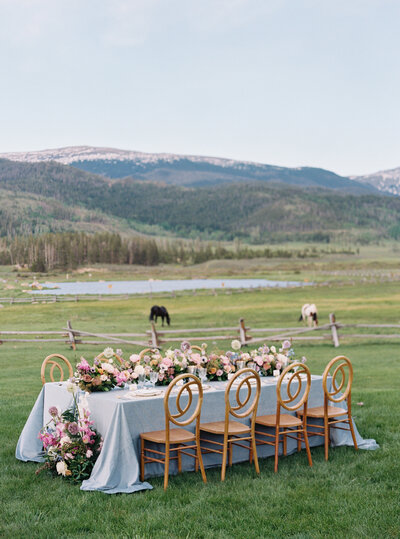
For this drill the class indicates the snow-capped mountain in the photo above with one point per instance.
(187, 170)
(387, 181)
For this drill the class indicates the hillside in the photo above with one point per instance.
(257, 212)
(386, 180)
(185, 170)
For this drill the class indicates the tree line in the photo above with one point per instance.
(69, 250)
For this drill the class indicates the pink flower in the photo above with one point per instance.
(83, 365)
(167, 362)
(286, 344)
(53, 410)
(278, 366)
(219, 372)
(259, 361)
(89, 453)
(73, 428)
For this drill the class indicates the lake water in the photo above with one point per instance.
(147, 287)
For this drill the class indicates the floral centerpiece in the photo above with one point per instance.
(103, 375)
(219, 367)
(70, 442)
(196, 356)
(174, 362)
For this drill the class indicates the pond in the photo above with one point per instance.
(155, 286)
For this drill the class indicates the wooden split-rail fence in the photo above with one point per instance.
(156, 337)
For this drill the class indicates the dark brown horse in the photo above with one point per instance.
(161, 311)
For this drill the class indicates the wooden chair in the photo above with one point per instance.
(178, 437)
(342, 369)
(117, 357)
(49, 360)
(235, 432)
(287, 425)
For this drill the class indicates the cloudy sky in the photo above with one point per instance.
(286, 82)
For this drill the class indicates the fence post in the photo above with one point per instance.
(243, 337)
(71, 336)
(154, 336)
(335, 337)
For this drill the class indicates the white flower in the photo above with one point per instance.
(62, 468)
(273, 349)
(169, 353)
(65, 440)
(72, 388)
(107, 367)
(108, 353)
(103, 377)
(236, 344)
(134, 358)
(139, 370)
(89, 453)
(283, 359)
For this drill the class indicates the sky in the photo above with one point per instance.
(282, 82)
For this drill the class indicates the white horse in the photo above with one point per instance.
(309, 314)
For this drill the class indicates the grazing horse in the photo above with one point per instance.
(309, 314)
(156, 311)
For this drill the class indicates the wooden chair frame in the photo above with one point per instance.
(55, 364)
(164, 457)
(297, 432)
(229, 439)
(116, 356)
(336, 397)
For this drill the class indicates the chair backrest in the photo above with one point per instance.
(56, 362)
(190, 383)
(115, 356)
(342, 371)
(145, 351)
(299, 373)
(243, 406)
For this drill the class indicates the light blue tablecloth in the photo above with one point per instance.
(120, 421)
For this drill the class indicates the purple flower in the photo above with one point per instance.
(73, 428)
(53, 410)
(185, 346)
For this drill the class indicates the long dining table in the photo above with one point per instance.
(120, 416)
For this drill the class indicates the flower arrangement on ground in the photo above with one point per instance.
(103, 375)
(70, 442)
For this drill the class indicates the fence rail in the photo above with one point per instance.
(157, 337)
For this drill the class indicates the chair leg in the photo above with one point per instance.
(353, 434)
(224, 456)
(253, 452)
(276, 448)
(141, 459)
(326, 437)
(199, 461)
(304, 432)
(285, 445)
(230, 455)
(179, 461)
(166, 466)
(299, 434)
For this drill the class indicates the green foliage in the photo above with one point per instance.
(257, 212)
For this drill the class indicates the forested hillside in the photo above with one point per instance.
(257, 212)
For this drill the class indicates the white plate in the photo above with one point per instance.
(142, 393)
(237, 382)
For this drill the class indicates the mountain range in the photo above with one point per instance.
(41, 195)
(194, 171)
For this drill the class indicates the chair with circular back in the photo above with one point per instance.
(177, 437)
(336, 391)
(287, 425)
(59, 362)
(116, 356)
(235, 432)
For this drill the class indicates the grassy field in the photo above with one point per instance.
(352, 495)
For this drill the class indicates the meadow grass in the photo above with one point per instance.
(354, 494)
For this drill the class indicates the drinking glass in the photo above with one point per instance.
(203, 374)
(141, 380)
(153, 378)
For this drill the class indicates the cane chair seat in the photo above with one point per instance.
(286, 420)
(318, 412)
(218, 427)
(176, 436)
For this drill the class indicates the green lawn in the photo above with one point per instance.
(354, 494)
